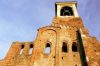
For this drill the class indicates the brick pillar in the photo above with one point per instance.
(35, 55)
(57, 49)
(26, 48)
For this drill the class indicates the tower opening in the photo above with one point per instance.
(31, 49)
(74, 47)
(64, 47)
(22, 47)
(66, 11)
(47, 48)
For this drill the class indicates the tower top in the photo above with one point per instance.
(72, 2)
(66, 9)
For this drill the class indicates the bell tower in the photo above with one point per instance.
(66, 9)
(66, 42)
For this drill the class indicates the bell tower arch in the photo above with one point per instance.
(66, 9)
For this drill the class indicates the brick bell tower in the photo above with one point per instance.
(66, 42)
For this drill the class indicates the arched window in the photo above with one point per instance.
(74, 47)
(66, 11)
(31, 49)
(22, 47)
(64, 47)
(47, 48)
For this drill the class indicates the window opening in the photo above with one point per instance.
(31, 49)
(64, 47)
(47, 48)
(74, 47)
(22, 47)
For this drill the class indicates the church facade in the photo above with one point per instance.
(66, 42)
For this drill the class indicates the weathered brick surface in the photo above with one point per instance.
(61, 30)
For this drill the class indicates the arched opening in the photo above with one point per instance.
(64, 47)
(22, 47)
(31, 49)
(47, 48)
(74, 47)
(66, 11)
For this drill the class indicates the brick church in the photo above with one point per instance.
(66, 42)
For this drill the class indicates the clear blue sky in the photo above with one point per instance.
(20, 19)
